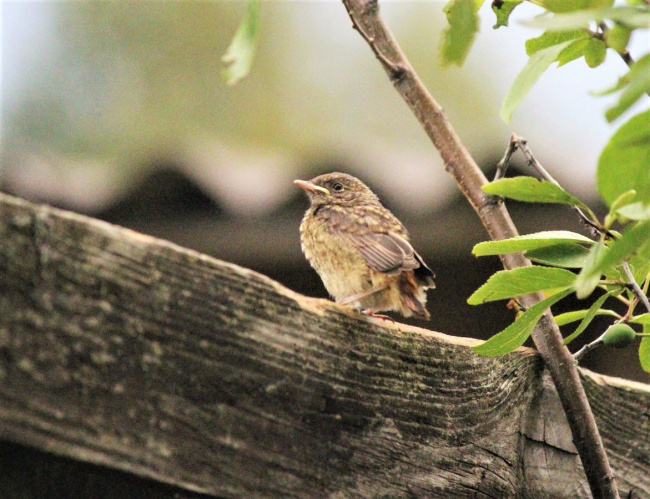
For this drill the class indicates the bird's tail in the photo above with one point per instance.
(413, 296)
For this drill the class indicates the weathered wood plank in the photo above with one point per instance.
(130, 352)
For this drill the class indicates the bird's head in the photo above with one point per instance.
(337, 188)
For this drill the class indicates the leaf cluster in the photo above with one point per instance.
(574, 29)
(567, 262)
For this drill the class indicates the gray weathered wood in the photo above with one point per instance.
(130, 352)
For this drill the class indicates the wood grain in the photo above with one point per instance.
(130, 352)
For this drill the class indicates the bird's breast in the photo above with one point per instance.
(340, 266)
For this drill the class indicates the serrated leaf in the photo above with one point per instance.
(636, 83)
(589, 316)
(600, 259)
(241, 51)
(502, 9)
(570, 256)
(578, 315)
(521, 281)
(528, 76)
(644, 352)
(550, 38)
(458, 37)
(529, 242)
(624, 164)
(531, 190)
(518, 332)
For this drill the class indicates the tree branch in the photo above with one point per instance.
(638, 292)
(494, 216)
(517, 142)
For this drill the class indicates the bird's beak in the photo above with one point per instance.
(310, 188)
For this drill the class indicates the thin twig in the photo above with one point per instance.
(587, 348)
(502, 166)
(517, 142)
(625, 55)
(638, 292)
(389, 65)
(494, 216)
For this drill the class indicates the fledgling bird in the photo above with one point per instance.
(360, 249)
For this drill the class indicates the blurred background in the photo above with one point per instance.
(118, 110)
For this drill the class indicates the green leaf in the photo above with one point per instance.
(589, 316)
(570, 256)
(644, 352)
(574, 51)
(636, 83)
(622, 199)
(624, 164)
(633, 17)
(595, 52)
(587, 280)
(592, 49)
(574, 5)
(532, 71)
(643, 319)
(458, 38)
(518, 332)
(636, 238)
(621, 202)
(502, 9)
(531, 190)
(550, 38)
(239, 55)
(617, 37)
(529, 242)
(635, 211)
(578, 315)
(520, 281)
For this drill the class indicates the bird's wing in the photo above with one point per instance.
(374, 233)
(389, 253)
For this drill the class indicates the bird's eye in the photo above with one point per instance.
(338, 187)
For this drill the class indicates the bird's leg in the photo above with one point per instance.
(360, 296)
(365, 294)
(370, 313)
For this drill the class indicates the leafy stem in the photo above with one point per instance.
(366, 19)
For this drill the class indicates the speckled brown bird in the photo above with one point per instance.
(360, 249)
